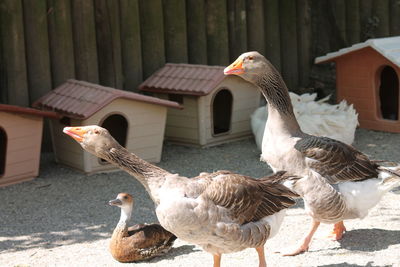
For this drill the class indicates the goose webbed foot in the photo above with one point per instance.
(306, 241)
(301, 249)
(261, 256)
(338, 231)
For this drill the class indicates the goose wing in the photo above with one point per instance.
(336, 161)
(249, 199)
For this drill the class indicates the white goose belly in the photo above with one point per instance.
(200, 222)
(350, 200)
(192, 221)
(361, 196)
(279, 154)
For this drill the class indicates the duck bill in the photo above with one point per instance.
(75, 132)
(235, 68)
(115, 202)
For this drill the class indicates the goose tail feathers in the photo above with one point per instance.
(390, 176)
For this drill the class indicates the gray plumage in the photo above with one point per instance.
(222, 211)
(321, 161)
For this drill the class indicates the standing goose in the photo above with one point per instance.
(222, 212)
(140, 241)
(320, 161)
(315, 117)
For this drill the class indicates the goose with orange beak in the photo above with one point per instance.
(337, 181)
(222, 211)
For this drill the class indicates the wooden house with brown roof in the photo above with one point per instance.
(217, 108)
(20, 141)
(367, 76)
(136, 121)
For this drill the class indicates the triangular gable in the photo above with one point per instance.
(387, 47)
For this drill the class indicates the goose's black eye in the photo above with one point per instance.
(250, 57)
(96, 132)
(125, 197)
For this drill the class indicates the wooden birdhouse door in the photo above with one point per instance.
(3, 151)
(389, 94)
(117, 125)
(222, 111)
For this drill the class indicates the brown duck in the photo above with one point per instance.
(140, 241)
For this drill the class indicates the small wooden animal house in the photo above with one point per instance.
(367, 75)
(217, 108)
(20, 142)
(136, 121)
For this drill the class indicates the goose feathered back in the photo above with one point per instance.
(321, 161)
(222, 211)
(334, 160)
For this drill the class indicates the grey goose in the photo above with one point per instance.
(222, 212)
(321, 162)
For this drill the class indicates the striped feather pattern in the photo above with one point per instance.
(334, 160)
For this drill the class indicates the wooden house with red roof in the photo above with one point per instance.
(20, 142)
(217, 108)
(136, 121)
(367, 76)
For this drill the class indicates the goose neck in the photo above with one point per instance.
(281, 117)
(149, 175)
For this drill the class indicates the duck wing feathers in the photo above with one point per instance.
(149, 235)
(249, 199)
(334, 160)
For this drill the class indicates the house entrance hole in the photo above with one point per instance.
(117, 125)
(222, 111)
(3, 151)
(389, 94)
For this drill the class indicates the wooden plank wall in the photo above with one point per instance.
(119, 43)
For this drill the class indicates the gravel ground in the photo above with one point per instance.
(61, 218)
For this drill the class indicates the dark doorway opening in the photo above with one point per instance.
(389, 94)
(117, 125)
(222, 111)
(3, 151)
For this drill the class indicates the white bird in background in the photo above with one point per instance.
(315, 117)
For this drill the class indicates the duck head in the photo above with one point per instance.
(125, 202)
(123, 199)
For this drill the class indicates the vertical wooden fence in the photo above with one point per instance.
(119, 43)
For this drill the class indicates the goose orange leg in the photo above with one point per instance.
(306, 241)
(217, 260)
(338, 230)
(261, 256)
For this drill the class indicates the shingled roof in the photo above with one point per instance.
(29, 111)
(187, 79)
(80, 100)
(388, 47)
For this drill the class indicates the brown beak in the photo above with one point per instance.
(235, 68)
(75, 132)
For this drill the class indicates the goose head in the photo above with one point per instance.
(93, 139)
(250, 66)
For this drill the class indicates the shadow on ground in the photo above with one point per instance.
(63, 206)
(174, 252)
(371, 239)
(345, 264)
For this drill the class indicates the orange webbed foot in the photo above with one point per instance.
(297, 251)
(338, 231)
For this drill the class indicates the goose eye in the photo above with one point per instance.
(125, 197)
(96, 131)
(250, 57)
